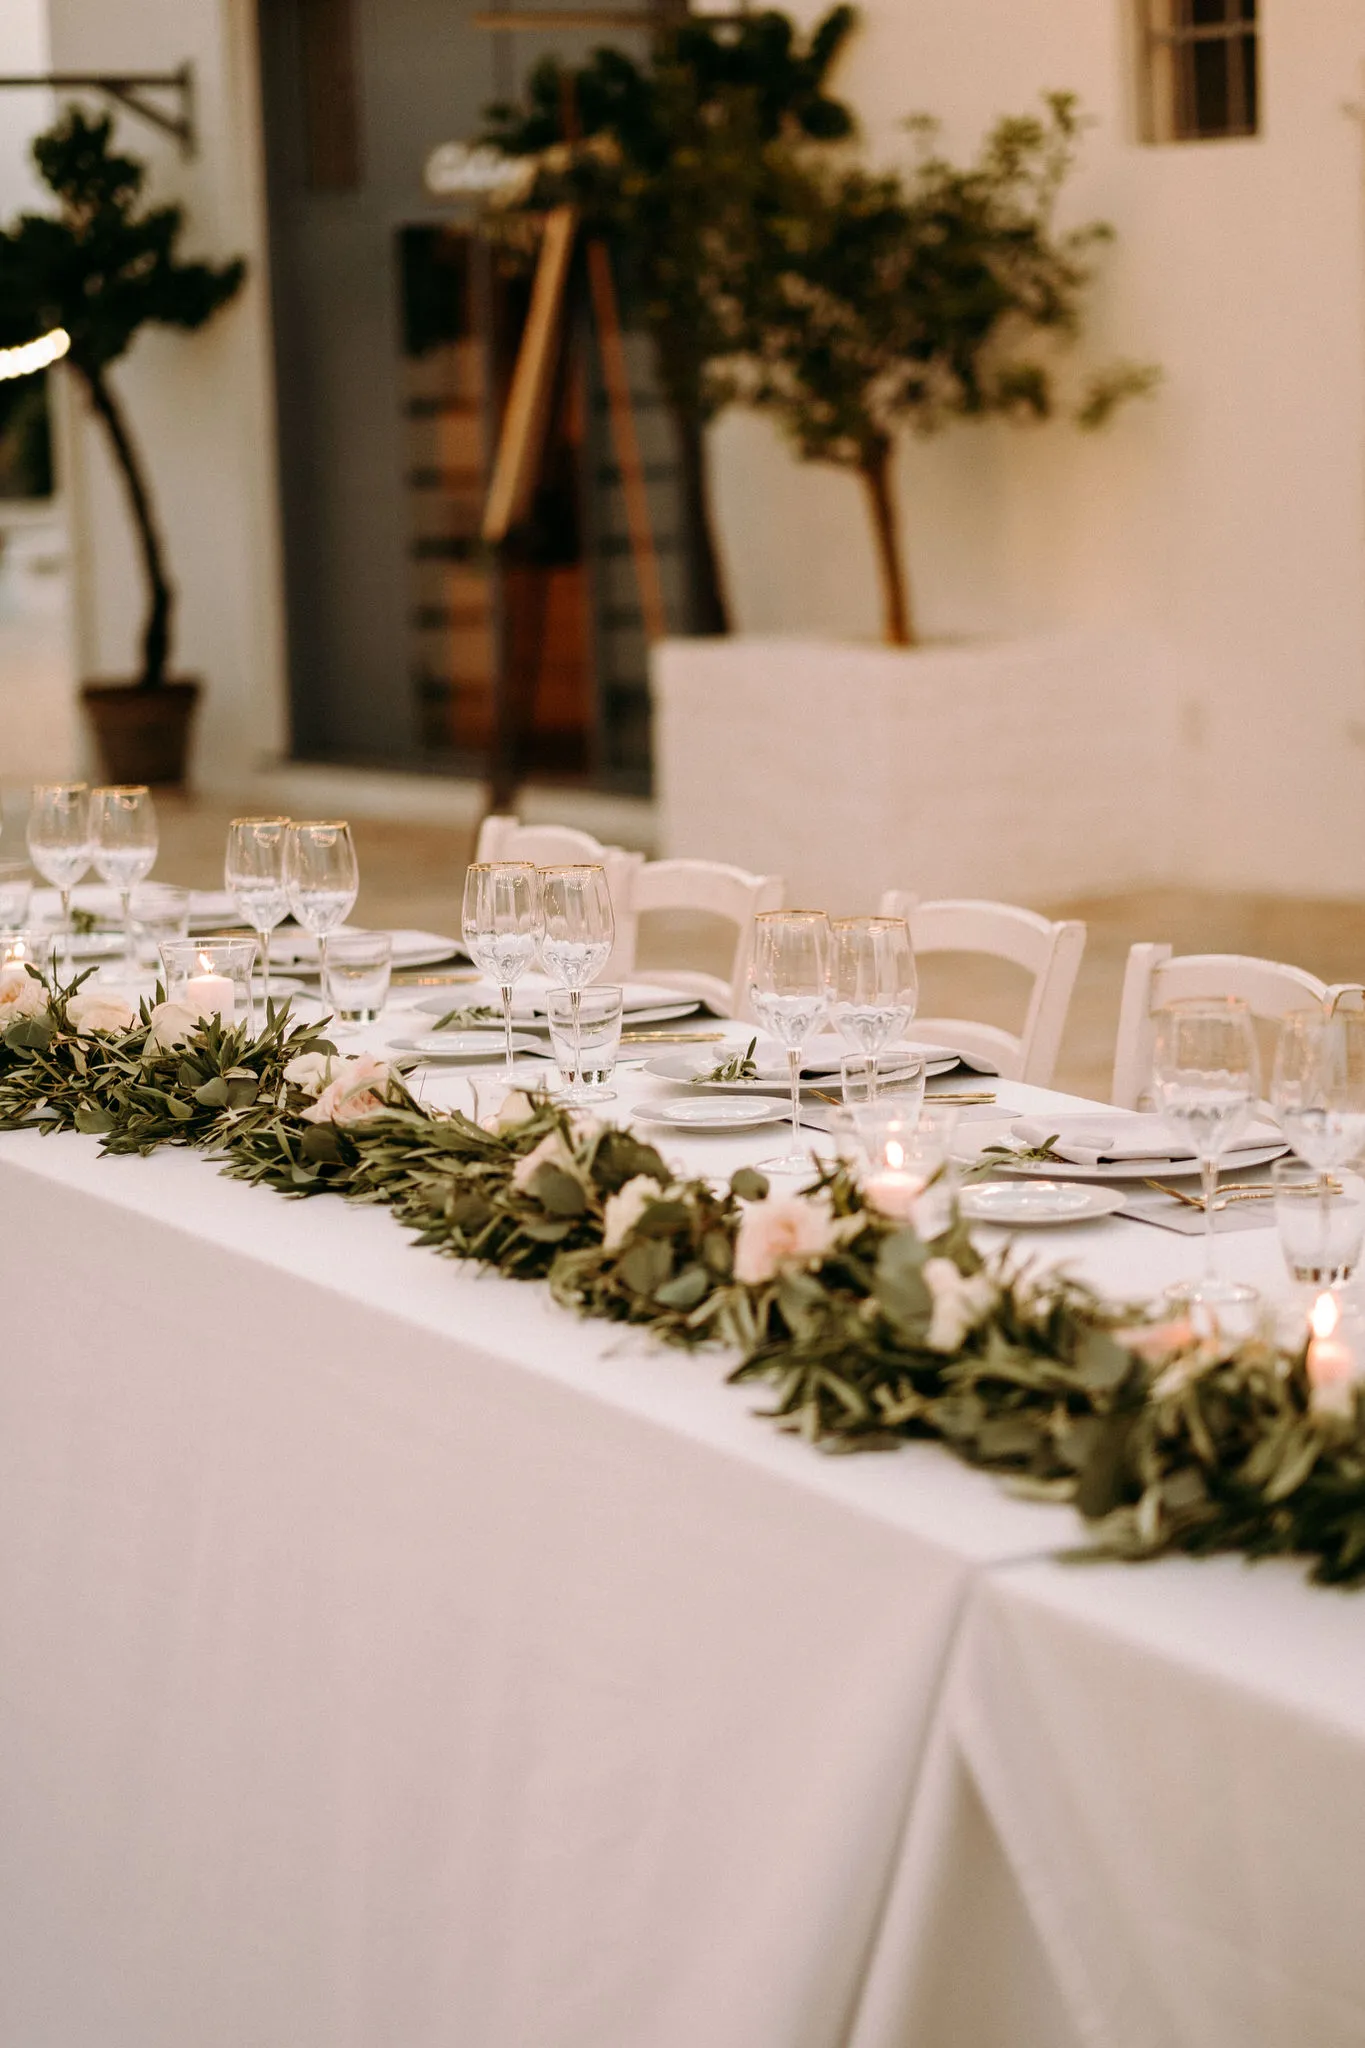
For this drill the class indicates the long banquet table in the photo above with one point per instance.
(388, 1659)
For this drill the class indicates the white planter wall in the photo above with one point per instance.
(1028, 769)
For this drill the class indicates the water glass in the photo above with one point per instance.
(1321, 1221)
(502, 923)
(16, 891)
(1206, 1080)
(321, 877)
(874, 987)
(253, 872)
(789, 994)
(211, 977)
(586, 1059)
(160, 912)
(59, 840)
(124, 839)
(355, 979)
(863, 1078)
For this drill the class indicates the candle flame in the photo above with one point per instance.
(205, 963)
(895, 1154)
(1324, 1315)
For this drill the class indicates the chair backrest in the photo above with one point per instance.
(502, 838)
(1154, 977)
(1048, 950)
(717, 890)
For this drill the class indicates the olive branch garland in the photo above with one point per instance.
(1162, 1440)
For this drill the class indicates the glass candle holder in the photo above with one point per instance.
(26, 947)
(903, 1162)
(211, 977)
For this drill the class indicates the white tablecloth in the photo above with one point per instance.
(388, 1659)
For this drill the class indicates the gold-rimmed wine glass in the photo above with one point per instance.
(579, 931)
(123, 845)
(502, 924)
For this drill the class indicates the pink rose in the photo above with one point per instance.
(20, 995)
(358, 1088)
(784, 1230)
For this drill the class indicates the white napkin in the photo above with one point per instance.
(1087, 1138)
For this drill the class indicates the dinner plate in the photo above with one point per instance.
(687, 1066)
(709, 1113)
(1020, 1203)
(464, 1045)
(290, 947)
(971, 1154)
(529, 1014)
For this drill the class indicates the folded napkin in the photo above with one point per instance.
(1089, 1139)
(824, 1059)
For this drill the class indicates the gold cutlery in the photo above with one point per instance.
(953, 1101)
(443, 980)
(672, 1037)
(1232, 1191)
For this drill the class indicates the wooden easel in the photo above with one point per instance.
(526, 417)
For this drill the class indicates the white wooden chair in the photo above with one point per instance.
(714, 889)
(556, 845)
(1050, 952)
(1154, 977)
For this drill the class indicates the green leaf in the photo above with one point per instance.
(321, 1143)
(899, 1284)
(686, 1289)
(213, 1094)
(645, 1265)
(557, 1191)
(1102, 1364)
(748, 1185)
(93, 1120)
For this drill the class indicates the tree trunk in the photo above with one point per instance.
(708, 605)
(875, 471)
(156, 634)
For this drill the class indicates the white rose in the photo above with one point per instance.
(551, 1151)
(359, 1088)
(785, 1230)
(515, 1109)
(310, 1071)
(172, 1024)
(20, 995)
(959, 1303)
(623, 1210)
(97, 1010)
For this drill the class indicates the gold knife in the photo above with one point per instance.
(672, 1037)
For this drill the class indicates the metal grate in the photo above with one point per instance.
(1200, 71)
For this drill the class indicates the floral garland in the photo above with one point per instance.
(864, 1332)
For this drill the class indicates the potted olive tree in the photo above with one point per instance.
(102, 267)
(862, 304)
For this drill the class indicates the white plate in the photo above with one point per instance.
(290, 947)
(529, 1014)
(687, 1066)
(1120, 1169)
(465, 1045)
(1018, 1203)
(709, 1113)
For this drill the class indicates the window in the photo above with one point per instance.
(1198, 69)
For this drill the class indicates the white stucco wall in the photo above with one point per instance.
(201, 404)
(1226, 518)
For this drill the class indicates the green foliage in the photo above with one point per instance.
(1163, 1440)
(103, 267)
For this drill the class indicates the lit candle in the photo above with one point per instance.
(1331, 1362)
(895, 1189)
(210, 995)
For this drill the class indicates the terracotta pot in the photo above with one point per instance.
(142, 735)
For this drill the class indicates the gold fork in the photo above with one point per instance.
(1232, 1191)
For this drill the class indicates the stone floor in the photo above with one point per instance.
(411, 874)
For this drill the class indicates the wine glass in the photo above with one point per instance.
(1206, 1080)
(873, 983)
(59, 840)
(789, 994)
(123, 838)
(321, 877)
(577, 934)
(1317, 1088)
(502, 924)
(253, 870)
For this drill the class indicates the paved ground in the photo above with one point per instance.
(412, 874)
